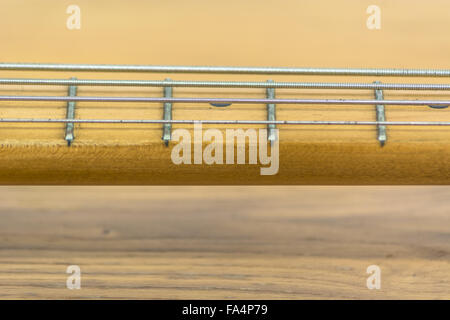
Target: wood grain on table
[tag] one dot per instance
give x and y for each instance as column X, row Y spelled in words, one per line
column 225, row 242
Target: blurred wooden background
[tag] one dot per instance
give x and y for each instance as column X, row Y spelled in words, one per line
column 225, row 242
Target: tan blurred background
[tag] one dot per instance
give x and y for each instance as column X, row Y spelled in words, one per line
column 322, row 33
column 224, row 242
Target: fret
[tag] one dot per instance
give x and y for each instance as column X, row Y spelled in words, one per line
column 70, row 115
column 381, row 116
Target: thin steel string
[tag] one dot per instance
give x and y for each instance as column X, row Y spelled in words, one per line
column 225, row 84
column 229, row 70
column 245, row 122
column 229, row 100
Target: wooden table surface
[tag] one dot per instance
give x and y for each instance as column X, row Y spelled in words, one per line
column 225, row 242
